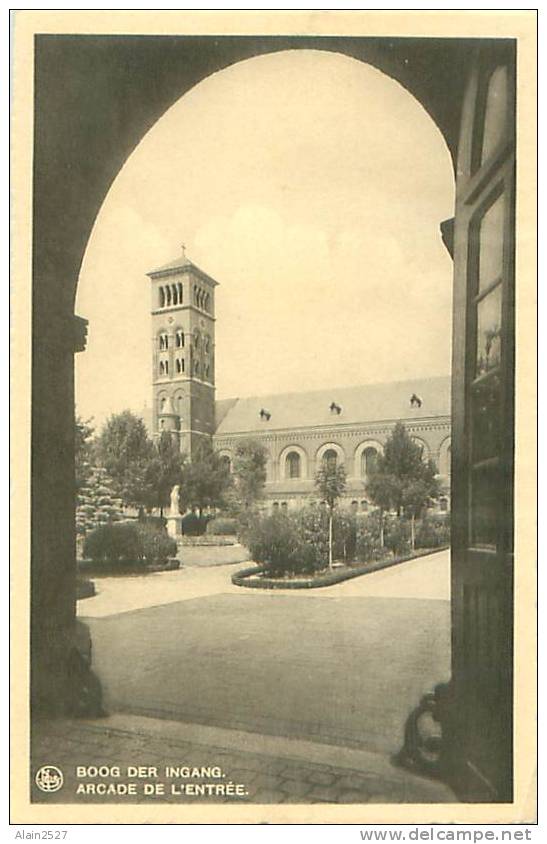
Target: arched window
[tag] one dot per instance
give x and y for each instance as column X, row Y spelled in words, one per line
column 179, row 338
column 284, row 506
column 207, row 371
column 175, row 294
column 330, row 459
column 162, row 297
column 162, row 368
column 207, row 300
column 354, row 506
column 293, row 464
column 179, row 364
column 168, row 296
column 206, row 342
column 179, row 288
column 196, row 338
column 364, row 506
column 196, row 367
column 226, row 462
column 443, row 504
column 163, row 341
column 369, row 462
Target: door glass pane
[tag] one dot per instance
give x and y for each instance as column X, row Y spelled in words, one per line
column 484, row 506
column 495, row 115
column 489, row 332
column 491, row 244
column 486, row 416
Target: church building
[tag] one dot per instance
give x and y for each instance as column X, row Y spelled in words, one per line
column 348, row 425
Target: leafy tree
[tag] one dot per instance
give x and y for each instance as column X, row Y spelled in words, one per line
column 163, row 472
column 416, row 494
column 383, row 489
column 204, row 482
column 403, row 480
column 125, row 450
column 249, row 471
column 83, row 450
column 330, row 482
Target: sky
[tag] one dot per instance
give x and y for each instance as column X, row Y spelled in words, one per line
column 311, row 187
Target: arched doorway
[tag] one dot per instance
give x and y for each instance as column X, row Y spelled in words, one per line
column 93, row 151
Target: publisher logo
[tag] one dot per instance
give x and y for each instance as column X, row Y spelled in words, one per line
column 49, row 778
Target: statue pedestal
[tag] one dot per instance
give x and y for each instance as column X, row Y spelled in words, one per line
column 174, row 526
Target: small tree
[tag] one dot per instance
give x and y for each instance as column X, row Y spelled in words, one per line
column 249, row 471
column 125, row 450
column 330, row 482
column 403, row 480
column 204, row 482
column 383, row 489
column 83, row 450
column 163, row 472
column 416, row 494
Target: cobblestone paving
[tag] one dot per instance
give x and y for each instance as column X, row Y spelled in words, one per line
column 244, row 777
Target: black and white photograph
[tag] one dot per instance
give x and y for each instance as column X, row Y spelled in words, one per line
column 276, row 291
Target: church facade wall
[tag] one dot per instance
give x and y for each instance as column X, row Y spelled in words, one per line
column 352, row 445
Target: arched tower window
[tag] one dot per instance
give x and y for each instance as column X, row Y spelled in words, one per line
column 179, row 288
column 369, row 462
column 168, row 295
column 179, row 365
column 179, row 338
column 175, row 294
column 161, row 292
column 293, row 465
column 163, row 341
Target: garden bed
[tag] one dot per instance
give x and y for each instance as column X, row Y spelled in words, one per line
column 252, row 578
column 124, row 568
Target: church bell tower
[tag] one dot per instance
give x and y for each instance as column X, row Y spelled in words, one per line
column 183, row 353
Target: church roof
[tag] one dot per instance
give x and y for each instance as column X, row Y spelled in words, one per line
column 369, row 403
column 179, row 264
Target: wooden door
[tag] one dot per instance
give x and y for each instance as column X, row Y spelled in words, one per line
column 482, row 442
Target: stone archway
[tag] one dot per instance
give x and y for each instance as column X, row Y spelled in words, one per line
column 78, row 152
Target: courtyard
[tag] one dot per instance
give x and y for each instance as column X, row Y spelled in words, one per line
column 342, row 665
column 300, row 697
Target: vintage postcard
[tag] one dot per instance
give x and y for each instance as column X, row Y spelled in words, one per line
column 273, row 300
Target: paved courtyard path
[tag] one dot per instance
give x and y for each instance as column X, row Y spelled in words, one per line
column 341, row 665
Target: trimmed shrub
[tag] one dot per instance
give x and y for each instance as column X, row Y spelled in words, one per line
column 397, row 535
column 84, row 588
column 344, row 534
column 192, row 525
column 133, row 542
column 156, row 544
column 278, row 542
column 367, row 544
column 113, row 543
column 222, row 526
column 433, row 532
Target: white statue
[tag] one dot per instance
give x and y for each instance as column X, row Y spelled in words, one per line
column 174, row 511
